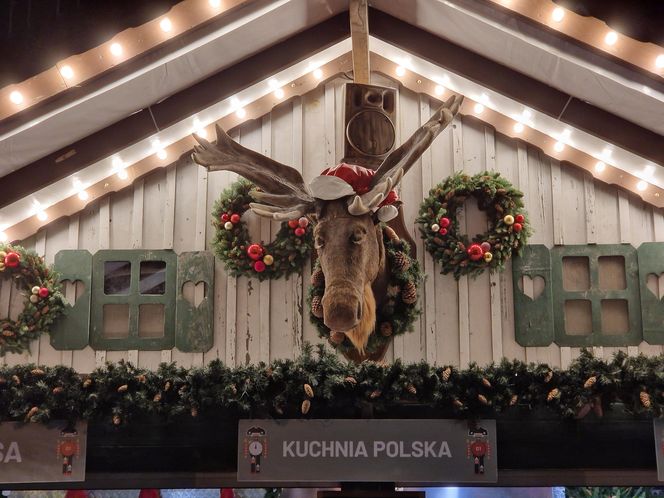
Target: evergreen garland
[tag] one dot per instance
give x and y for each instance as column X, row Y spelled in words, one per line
column 508, row 225
column 397, row 314
column 44, row 300
column 283, row 256
column 319, row 384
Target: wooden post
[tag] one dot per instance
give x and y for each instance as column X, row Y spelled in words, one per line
column 359, row 32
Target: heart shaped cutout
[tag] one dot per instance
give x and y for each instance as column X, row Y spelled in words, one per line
column 72, row 290
column 532, row 287
column 194, row 294
column 655, row 284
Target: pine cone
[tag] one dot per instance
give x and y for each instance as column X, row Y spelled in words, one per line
column 306, row 406
column 117, row 420
column 645, row 399
column 409, row 293
column 168, row 385
column 37, row 371
column 31, row 413
column 350, row 380
column 123, row 388
column 157, row 398
column 514, row 399
column 486, row 383
column 391, row 234
column 375, row 394
column 317, row 278
column 401, row 262
column 482, row 399
column 446, row 374
column 87, row 383
column 548, row 377
column 194, row 411
column 411, row 389
column 457, row 403
column 233, row 389
column 141, row 378
column 16, row 380
column 590, row 382
column 317, row 306
column 308, row 390
column 553, row 393
column 58, row 390
column 386, row 329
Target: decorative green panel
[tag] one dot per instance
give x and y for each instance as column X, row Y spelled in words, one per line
column 72, row 329
column 124, row 290
column 594, row 300
column 651, row 262
column 533, row 318
column 194, row 332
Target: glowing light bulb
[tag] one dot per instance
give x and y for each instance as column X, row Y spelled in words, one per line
column 518, row 127
column 273, row 83
column 400, row 70
column 202, row 132
column 318, row 73
column 166, row 25
column 479, row 108
column 67, row 72
column 3, row 237
column 559, row 146
column 122, row 174
column 611, row 38
column 600, row 166
column 439, row 90
column 659, row 61
column 83, row 195
column 558, row 14
column 162, row 154
column 215, row 3
column 16, row 97
column 642, row 185
column 241, row 113
column 279, row 93
column 41, row 215
column 116, row 49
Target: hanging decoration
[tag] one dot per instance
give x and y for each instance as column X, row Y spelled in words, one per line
column 399, row 310
column 44, row 301
column 508, row 232
column 283, row 256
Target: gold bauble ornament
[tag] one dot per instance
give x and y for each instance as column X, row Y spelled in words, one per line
column 508, row 219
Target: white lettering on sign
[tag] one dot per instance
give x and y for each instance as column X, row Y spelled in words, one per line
column 358, row 449
column 13, row 453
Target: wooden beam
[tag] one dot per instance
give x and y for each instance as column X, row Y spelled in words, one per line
column 359, row 32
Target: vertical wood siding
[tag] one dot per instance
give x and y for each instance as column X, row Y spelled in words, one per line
column 471, row 320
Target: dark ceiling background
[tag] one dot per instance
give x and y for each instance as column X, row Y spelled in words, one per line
column 35, row 34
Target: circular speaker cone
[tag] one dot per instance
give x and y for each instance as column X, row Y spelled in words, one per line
column 371, row 132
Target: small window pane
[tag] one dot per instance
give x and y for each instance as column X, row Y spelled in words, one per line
column 117, row 277
column 153, row 277
column 116, row 321
column 151, row 320
column 576, row 273
column 578, row 317
column 612, row 273
column 615, row 316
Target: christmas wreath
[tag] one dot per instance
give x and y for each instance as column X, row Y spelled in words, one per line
column 44, row 304
column 508, row 226
column 395, row 316
column 283, row 256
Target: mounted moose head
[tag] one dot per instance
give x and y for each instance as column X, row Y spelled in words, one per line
column 347, row 234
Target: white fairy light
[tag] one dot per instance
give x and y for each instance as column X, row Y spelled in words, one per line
column 3, row 237
column 166, row 25
column 83, row 195
column 642, row 185
column 201, row 132
column 16, row 97
column 558, row 14
column 116, row 49
column 600, row 166
column 400, row 70
column 479, row 108
column 611, row 38
column 122, row 174
column 215, row 4
column 518, row 127
column 659, row 61
column 279, row 93
column 318, row 73
column 559, row 146
column 241, row 113
column 67, row 72
column 162, row 154
column 41, row 215
column 439, row 90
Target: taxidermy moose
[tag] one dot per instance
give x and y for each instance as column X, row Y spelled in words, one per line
column 347, row 204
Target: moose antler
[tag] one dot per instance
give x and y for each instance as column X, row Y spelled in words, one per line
column 400, row 160
column 282, row 188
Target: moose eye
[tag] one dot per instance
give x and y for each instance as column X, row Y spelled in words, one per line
column 357, row 236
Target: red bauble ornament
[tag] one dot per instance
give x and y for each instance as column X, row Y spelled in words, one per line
column 43, row 292
column 443, row 231
column 485, row 246
column 226, row 493
column 444, row 222
column 235, row 218
column 303, row 222
column 224, row 217
column 299, row 231
column 517, row 227
column 12, row 259
column 519, row 218
column 149, row 493
column 475, row 252
column 76, row 493
column 255, row 251
column 259, row 266
column 293, row 224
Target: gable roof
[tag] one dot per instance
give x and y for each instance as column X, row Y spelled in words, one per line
column 480, row 57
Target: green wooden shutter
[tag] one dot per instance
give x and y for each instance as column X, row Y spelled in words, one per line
column 194, row 331
column 651, row 261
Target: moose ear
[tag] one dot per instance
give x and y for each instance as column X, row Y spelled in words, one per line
column 329, row 188
column 387, row 213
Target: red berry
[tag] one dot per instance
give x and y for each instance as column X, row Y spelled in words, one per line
column 293, row 224
column 43, row 292
column 224, row 217
column 259, row 266
column 519, row 218
column 517, row 227
column 299, row 231
column 443, row 231
column 444, row 222
column 235, row 218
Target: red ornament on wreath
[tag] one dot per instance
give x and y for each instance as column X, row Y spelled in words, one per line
column 235, row 218
column 475, row 252
column 12, row 259
column 517, row 227
column 299, row 231
column 259, row 266
column 255, row 251
column 225, row 217
column 293, row 224
column 43, row 292
column 519, row 218
column 444, row 222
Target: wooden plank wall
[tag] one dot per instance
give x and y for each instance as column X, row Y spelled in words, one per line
column 471, row 320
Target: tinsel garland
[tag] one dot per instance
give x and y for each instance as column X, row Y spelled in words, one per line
column 397, row 314
column 282, row 256
column 322, row 385
column 508, row 224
